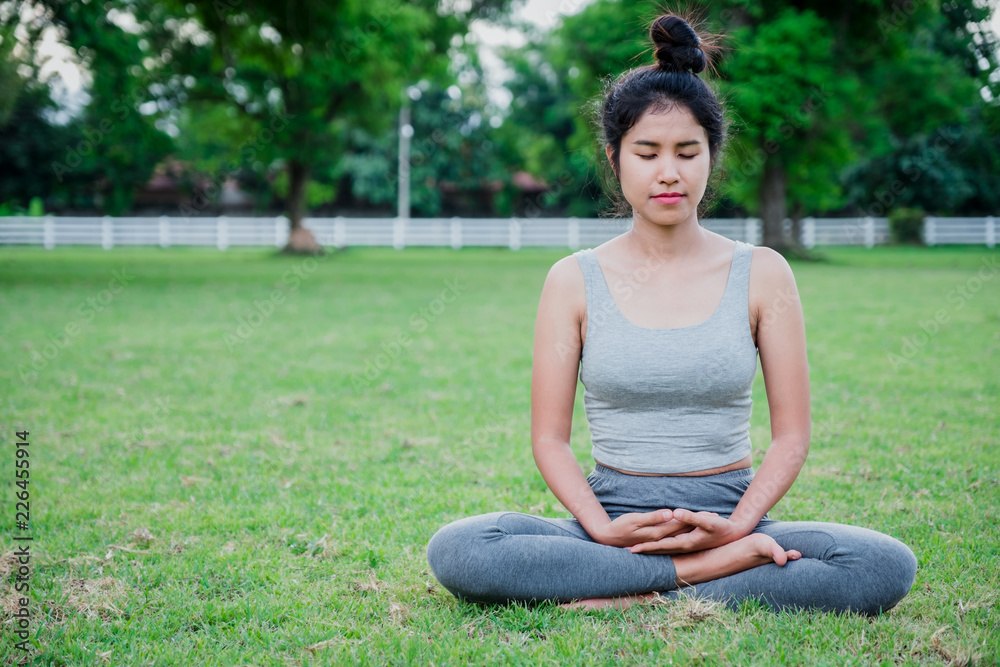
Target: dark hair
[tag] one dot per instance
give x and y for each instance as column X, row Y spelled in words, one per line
column 681, row 53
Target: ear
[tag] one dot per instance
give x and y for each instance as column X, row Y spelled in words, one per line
column 608, row 152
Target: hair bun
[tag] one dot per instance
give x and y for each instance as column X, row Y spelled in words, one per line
column 678, row 46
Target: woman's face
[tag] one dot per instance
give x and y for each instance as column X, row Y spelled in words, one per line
column 663, row 153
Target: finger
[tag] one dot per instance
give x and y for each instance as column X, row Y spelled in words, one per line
column 677, row 528
column 664, row 530
column 655, row 518
column 704, row 520
column 666, row 544
column 793, row 554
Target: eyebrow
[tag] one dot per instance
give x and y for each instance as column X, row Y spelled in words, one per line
column 656, row 144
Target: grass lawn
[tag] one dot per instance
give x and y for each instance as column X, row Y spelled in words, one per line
column 238, row 458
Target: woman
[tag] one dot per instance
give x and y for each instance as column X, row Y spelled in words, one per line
column 665, row 323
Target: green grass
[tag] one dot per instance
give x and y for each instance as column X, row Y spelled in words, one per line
column 289, row 498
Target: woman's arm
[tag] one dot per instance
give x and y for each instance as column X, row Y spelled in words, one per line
column 781, row 343
column 555, row 368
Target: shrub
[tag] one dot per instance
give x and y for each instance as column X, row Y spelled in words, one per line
column 906, row 225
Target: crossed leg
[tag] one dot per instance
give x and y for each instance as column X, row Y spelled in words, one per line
column 692, row 568
column 509, row 556
column 842, row 568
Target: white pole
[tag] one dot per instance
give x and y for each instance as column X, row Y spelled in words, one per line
column 280, row 231
column 339, row 232
column 107, row 233
column 514, row 234
column 405, row 132
column 398, row 233
column 574, row 233
column 49, row 232
column 164, row 231
column 221, row 232
column 809, row 232
column 930, row 233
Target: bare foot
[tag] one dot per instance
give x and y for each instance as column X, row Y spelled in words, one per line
column 764, row 547
column 623, row 602
column 745, row 553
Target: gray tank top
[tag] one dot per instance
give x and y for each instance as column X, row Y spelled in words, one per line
column 668, row 400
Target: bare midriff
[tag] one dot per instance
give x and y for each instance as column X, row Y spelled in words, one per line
column 738, row 465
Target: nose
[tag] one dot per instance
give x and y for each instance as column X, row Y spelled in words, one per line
column 667, row 172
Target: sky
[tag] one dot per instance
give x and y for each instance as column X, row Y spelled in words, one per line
column 545, row 14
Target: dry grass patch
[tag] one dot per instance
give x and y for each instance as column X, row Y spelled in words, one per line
column 95, row 599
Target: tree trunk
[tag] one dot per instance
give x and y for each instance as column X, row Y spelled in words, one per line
column 796, row 216
column 772, row 206
column 300, row 240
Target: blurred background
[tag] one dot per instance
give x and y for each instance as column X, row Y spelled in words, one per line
column 270, row 107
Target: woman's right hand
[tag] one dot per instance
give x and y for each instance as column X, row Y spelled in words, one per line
column 639, row 527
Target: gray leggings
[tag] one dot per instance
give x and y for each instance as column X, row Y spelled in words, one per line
column 509, row 556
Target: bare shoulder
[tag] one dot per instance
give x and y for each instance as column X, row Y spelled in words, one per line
column 565, row 280
column 562, row 308
column 772, row 288
column 770, row 272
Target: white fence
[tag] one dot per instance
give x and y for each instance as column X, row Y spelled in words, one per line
column 574, row 233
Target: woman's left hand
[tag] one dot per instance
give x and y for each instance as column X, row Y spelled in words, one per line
column 709, row 531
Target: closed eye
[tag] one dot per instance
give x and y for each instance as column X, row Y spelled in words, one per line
column 650, row 157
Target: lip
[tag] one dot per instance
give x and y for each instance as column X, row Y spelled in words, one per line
column 669, row 198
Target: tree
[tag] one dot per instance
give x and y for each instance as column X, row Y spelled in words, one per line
column 878, row 83
column 451, row 147
column 549, row 130
column 29, row 143
column 11, row 56
column 942, row 152
column 812, row 88
column 120, row 142
column 302, row 75
column 27, row 140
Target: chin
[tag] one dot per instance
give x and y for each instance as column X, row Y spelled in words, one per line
column 668, row 219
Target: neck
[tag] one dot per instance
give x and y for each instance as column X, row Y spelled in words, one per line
column 666, row 242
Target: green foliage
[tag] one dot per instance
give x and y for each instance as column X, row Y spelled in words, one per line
column 549, row 132
column 789, row 95
column 842, row 97
column 133, row 85
column 36, row 207
column 317, row 193
column 330, row 69
column 906, row 225
column 452, row 146
column 812, row 91
column 11, row 83
column 921, row 172
column 29, row 145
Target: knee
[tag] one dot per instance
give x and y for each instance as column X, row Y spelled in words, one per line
column 443, row 546
column 895, row 567
column 900, row 571
column 453, row 550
